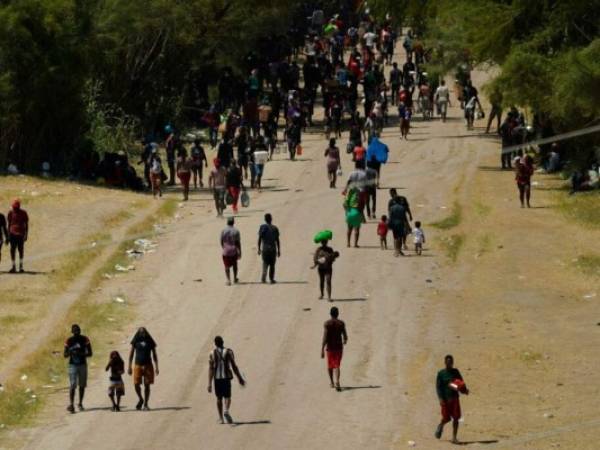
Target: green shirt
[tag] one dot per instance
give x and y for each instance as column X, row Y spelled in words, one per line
column 444, row 377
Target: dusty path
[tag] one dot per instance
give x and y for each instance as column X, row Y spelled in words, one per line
column 491, row 309
column 276, row 340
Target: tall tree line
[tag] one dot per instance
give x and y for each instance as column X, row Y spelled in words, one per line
column 75, row 74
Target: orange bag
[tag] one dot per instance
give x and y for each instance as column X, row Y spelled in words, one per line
column 299, row 150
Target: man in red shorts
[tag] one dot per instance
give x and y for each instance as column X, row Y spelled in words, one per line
column 448, row 396
column 334, row 338
column 232, row 250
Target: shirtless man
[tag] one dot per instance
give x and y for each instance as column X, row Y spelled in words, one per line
column 334, row 339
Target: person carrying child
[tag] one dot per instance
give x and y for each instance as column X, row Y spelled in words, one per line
column 116, row 387
column 382, row 231
column 419, row 237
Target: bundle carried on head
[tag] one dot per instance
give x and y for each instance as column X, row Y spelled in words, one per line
column 325, row 235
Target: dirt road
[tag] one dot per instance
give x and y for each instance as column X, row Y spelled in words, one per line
column 276, row 330
column 403, row 315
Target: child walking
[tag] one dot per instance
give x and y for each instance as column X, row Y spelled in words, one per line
column 382, row 231
column 116, row 365
column 419, row 238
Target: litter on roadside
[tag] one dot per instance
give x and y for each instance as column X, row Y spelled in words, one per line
column 120, row 268
column 23, row 377
column 119, row 300
column 590, row 295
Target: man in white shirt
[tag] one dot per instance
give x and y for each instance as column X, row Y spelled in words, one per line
column 442, row 99
column 370, row 39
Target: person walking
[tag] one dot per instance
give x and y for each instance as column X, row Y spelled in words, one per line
column 116, row 387
column 156, row 173
column 217, row 181
column 523, row 172
column 371, row 192
column 198, row 158
column 448, row 383
column 442, row 99
column 269, row 247
column 143, row 347
column 77, row 348
column 184, row 172
column 232, row 250
column 221, row 368
column 335, row 337
column 3, row 233
column 324, row 258
column 171, row 144
column 332, row 153
column 18, row 231
column 234, row 184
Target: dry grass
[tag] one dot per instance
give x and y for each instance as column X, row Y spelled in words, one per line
column 452, row 221
column 588, row 265
column 452, row 245
column 583, row 207
column 102, row 319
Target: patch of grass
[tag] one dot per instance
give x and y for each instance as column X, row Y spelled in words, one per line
column 588, row 264
column 484, row 243
column 530, row 356
column 452, row 221
column 482, row 210
column 74, row 262
column 11, row 320
column 583, row 207
column 452, row 245
column 99, row 320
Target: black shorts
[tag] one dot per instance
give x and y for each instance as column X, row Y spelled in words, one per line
column 223, row 388
column 16, row 241
column 269, row 257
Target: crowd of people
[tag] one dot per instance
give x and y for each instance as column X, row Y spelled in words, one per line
column 349, row 72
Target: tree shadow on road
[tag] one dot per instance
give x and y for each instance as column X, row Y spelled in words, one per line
column 484, row 442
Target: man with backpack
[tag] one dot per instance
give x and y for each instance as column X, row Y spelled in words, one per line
column 269, row 247
column 221, row 368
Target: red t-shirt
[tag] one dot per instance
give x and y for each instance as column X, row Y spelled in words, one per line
column 382, row 229
column 17, row 222
column 359, row 153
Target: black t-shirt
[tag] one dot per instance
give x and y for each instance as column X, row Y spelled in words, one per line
column 225, row 153
column 78, row 348
column 234, row 177
column 269, row 235
column 143, row 346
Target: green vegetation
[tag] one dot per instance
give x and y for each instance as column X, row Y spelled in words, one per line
column 45, row 369
column 452, row 221
column 93, row 75
column 548, row 53
column 582, row 208
column 588, row 264
column 452, row 245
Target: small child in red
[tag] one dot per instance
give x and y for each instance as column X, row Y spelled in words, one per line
column 382, row 230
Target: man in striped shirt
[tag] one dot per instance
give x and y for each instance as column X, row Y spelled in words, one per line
column 221, row 367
